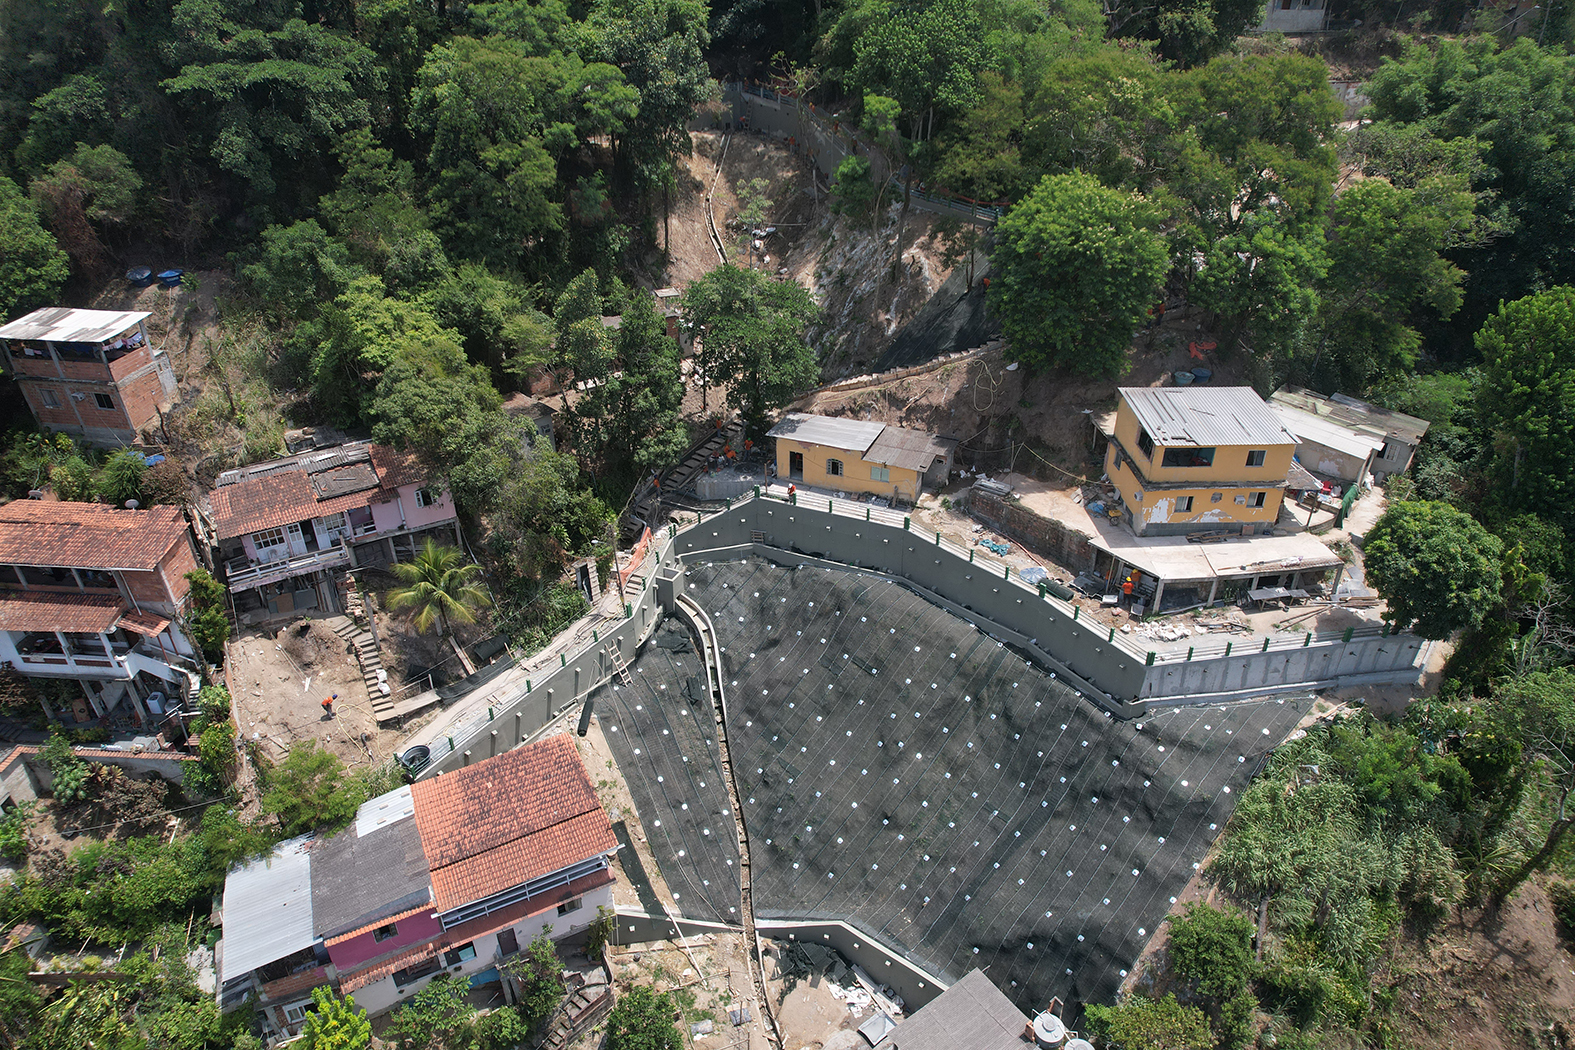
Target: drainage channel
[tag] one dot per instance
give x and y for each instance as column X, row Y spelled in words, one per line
column 706, row 635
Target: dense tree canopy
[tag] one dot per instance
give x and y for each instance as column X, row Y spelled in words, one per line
column 1436, row 568
column 1078, row 266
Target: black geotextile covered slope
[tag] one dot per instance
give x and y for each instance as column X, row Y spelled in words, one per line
column 909, row 774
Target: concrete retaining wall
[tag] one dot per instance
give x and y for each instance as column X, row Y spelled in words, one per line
column 1099, row 663
column 1066, row 545
column 544, row 701
column 1119, row 673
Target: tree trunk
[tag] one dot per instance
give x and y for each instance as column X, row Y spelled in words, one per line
column 1536, row 861
column 902, row 219
column 464, row 660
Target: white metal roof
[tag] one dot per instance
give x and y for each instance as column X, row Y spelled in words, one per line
column 384, row 810
column 1205, row 416
column 1326, row 432
column 60, row 324
column 268, row 909
column 852, row 434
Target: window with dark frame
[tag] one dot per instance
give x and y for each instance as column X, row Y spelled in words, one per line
column 459, row 953
column 834, row 467
column 1256, row 499
column 1188, row 457
column 1145, row 443
column 573, row 904
column 1255, row 458
column 1183, row 503
column 415, row 971
column 105, row 402
column 385, row 933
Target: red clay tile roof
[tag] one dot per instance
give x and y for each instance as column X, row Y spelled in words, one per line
column 58, row 611
column 396, row 468
column 382, row 970
column 273, row 502
column 144, row 623
column 508, row 820
column 521, row 860
column 87, row 535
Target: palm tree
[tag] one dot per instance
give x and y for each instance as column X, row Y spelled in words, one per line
column 438, row 586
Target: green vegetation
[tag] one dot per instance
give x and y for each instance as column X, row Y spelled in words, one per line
column 206, row 616
column 335, row 1024
column 439, row 1017
column 437, row 585
column 751, row 329
column 1361, row 836
column 1079, row 266
column 307, row 791
column 643, row 1020
column 1437, row 569
column 1147, row 1024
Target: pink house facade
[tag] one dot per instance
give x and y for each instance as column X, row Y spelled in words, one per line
column 282, row 529
column 452, row 875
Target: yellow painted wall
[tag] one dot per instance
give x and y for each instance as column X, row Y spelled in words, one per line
column 1230, row 461
column 1158, row 506
column 904, row 483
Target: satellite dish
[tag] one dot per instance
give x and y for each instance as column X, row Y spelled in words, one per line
column 132, row 504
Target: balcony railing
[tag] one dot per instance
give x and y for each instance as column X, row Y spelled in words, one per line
column 244, row 574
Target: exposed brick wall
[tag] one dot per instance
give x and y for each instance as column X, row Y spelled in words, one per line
column 89, row 371
column 53, row 417
column 109, row 418
column 148, row 587
column 33, row 366
column 140, row 358
column 1067, row 547
column 293, row 986
column 142, row 397
column 175, row 565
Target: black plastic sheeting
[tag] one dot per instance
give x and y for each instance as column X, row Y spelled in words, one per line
column 907, row 773
column 662, row 727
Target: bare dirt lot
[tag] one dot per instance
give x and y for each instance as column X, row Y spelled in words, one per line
column 278, row 680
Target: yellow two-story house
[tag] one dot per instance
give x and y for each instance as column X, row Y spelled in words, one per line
column 1191, row 459
column 852, row 455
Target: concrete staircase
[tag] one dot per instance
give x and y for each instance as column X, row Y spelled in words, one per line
column 589, row 1000
column 648, row 499
column 362, row 643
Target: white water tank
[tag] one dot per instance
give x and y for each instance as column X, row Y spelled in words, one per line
column 1049, row 1031
column 1080, row 1044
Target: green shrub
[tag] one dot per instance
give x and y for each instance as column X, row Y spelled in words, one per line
column 13, row 833
column 68, row 772
column 1562, row 894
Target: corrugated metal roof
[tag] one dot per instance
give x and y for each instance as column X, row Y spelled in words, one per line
column 1358, row 415
column 1205, row 416
column 852, row 434
column 268, row 908
column 384, row 810
column 1298, row 477
column 1395, row 424
column 910, row 449
column 1326, row 432
column 60, row 324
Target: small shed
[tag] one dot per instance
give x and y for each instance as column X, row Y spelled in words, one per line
column 1397, row 433
column 1327, row 449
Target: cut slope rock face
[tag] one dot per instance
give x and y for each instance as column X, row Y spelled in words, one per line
column 844, row 262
